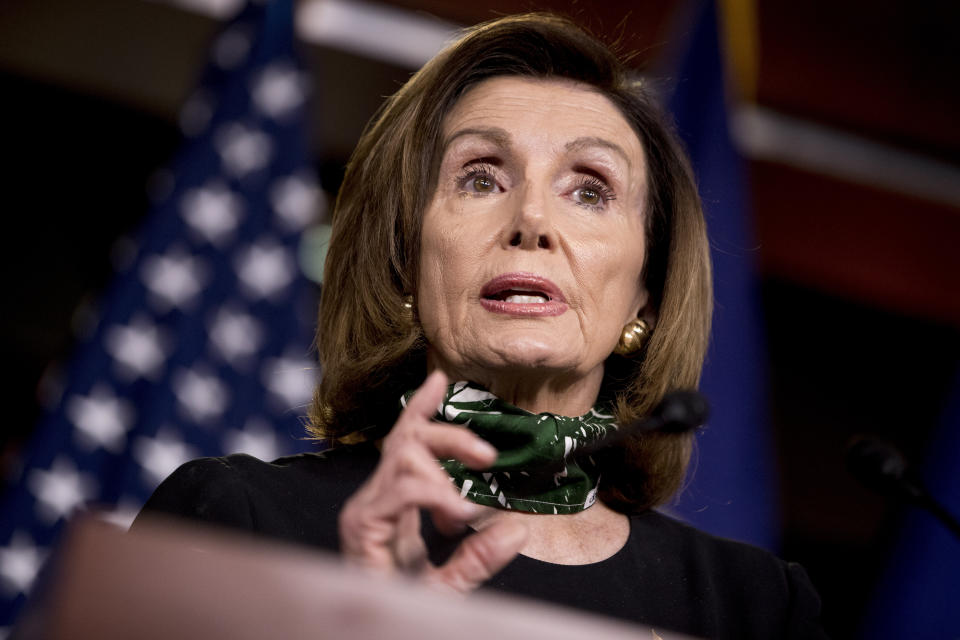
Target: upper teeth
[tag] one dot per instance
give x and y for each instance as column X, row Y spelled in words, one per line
column 525, row 299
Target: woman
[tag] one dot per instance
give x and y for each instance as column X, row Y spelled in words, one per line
column 513, row 216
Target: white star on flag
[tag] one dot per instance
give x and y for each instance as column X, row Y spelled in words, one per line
column 212, row 212
column 201, row 396
column 161, row 455
column 297, row 201
column 173, row 279
column 172, row 358
column 61, row 490
column 139, row 349
column 20, row 561
column 290, row 380
column 278, row 90
column 102, row 419
column 236, row 336
column 242, row 149
column 265, row 269
column 257, row 438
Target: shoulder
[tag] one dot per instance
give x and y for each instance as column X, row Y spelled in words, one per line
column 338, row 467
column 748, row 588
column 287, row 498
column 698, row 546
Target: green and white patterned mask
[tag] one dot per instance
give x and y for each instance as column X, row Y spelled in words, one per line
column 536, row 470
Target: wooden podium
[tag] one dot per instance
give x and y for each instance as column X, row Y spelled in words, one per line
column 176, row 581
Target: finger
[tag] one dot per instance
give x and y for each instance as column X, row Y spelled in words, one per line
column 444, row 441
column 416, row 423
column 372, row 523
column 415, row 461
column 452, row 526
column 409, row 549
column 407, row 479
column 454, row 512
column 481, row 556
column 411, row 478
column 413, row 493
column 428, row 396
column 364, row 540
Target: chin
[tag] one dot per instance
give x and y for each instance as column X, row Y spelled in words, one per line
column 506, row 353
column 540, row 354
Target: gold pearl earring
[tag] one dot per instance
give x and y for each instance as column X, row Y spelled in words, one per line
column 634, row 336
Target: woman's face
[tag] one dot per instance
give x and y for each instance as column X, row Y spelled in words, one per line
column 533, row 244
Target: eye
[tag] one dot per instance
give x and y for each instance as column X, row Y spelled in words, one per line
column 478, row 179
column 593, row 193
column 483, row 184
column 588, row 195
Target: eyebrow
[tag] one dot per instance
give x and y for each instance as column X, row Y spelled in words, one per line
column 591, row 141
column 495, row 135
column 501, row 138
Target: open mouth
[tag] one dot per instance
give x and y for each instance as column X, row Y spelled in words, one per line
column 522, row 294
column 519, row 296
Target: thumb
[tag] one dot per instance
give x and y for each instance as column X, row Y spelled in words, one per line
column 481, row 556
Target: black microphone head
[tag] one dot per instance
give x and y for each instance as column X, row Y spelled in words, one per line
column 682, row 410
column 875, row 463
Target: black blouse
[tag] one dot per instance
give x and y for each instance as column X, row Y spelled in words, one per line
column 667, row 576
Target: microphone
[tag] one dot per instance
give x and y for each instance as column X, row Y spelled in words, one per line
column 680, row 411
column 879, row 466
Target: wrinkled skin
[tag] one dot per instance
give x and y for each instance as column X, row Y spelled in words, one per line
column 565, row 201
column 542, row 187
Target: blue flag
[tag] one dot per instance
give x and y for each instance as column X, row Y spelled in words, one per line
column 202, row 346
column 733, row 488
column 918, row 594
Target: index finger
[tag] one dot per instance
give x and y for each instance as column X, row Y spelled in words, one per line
column 428, row 397
column 443, row 440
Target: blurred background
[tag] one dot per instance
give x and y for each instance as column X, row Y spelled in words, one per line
column 845, row 116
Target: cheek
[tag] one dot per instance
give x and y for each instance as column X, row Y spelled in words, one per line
column 446, row 261
column 431, row 272
column 613, row 267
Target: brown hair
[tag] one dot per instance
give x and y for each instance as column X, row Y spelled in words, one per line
column 371, row 354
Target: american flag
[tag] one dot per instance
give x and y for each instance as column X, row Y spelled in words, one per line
column 202, row 346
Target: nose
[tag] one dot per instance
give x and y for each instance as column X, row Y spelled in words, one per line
column 530, row 225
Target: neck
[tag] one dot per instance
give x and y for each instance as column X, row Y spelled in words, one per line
column 589, row 536
column 562, row 393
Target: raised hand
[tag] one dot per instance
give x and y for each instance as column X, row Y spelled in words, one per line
column 380, row 524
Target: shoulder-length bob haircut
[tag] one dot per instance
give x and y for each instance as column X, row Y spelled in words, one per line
column 371, row 352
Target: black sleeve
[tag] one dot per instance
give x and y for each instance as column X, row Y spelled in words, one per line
column 803, row 618
column 294, row 499
column 207, row 490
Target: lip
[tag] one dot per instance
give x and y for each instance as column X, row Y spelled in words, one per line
column 523, row 281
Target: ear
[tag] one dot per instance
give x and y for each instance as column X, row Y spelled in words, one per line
column 645, row 310
column 649, row 315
